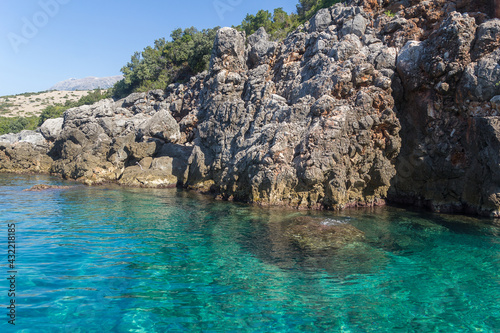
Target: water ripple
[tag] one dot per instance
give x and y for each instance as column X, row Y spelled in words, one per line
column 139, row 260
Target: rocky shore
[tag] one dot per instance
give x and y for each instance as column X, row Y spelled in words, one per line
column 369, row 101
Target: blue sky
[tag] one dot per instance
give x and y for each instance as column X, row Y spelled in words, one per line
column 43, row 42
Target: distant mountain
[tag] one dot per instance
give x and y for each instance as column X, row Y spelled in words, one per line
column 88, row 83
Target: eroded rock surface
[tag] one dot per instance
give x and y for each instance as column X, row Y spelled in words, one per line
column 369, row 100
column 449, row 118
column 313, row 126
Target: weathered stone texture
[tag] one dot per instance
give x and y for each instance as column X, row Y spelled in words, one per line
column 354, row 107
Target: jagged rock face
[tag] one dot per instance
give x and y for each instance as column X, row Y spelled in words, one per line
column 24, row 152
column 449, row 118
column 357, row 105
column 122, row 141
column 311, row 126
column 51, row 128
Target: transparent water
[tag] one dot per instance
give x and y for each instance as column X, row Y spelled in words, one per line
column 110, row 259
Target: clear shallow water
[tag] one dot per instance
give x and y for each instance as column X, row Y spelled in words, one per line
column 110, row 259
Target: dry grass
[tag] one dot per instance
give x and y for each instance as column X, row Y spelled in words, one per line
column 27, row 105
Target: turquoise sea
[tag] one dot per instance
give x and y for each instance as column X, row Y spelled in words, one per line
column 112, row 259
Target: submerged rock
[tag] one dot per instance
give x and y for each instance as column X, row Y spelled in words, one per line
column 313, row 234
column 44, row 187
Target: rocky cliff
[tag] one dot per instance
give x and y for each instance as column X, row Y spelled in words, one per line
column 368, row 101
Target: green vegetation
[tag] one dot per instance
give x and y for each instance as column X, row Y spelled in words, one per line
column 189, row 50
column 307, row 8
column 4, row 107
column 389, row 13
column 17, row 124
column 156, row 67
column 277, row 25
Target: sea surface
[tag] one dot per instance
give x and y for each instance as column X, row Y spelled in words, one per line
column 113, row 259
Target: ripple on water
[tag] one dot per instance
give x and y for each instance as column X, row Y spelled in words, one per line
column 140, row 260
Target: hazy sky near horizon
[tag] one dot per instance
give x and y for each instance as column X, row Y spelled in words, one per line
column 43, row 42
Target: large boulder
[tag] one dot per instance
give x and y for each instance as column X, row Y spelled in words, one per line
column 51, row 128
column 162, row 126
column 261, row 49
column 229, row 51
column 32, row 137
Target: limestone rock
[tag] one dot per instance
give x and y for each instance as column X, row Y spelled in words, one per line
column 162, row 126
column 31, row 137
column 51, row 128
column 229, row 51
column 44, row 187
column 449, row 118
column 321, row 20
column 261, row 49
column 352, row 108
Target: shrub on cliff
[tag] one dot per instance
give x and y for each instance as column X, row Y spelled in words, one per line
column 188, row 53
column 277, row 25
column 156, row 67
column 307, row 8
column 17, row 124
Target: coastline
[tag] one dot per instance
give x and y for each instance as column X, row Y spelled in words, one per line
column 355, row 108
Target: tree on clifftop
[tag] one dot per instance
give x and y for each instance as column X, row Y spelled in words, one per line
column 189, row 50
column 188, row 53
column 277, row 25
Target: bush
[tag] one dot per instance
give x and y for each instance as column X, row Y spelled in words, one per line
column 307, row 8
column 156, row 67
column 277, row 25
column 17, row 124
column 189, row 51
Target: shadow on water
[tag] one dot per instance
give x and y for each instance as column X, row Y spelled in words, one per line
column 265, row 232
column 387, row 231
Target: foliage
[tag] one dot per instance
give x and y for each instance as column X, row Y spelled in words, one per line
column 17, row 124
column 156, row 67
column 52, row 111
column 277, row 25
column 189, row 50
column 389, row 13
column 307, row 8
column 4, row 107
